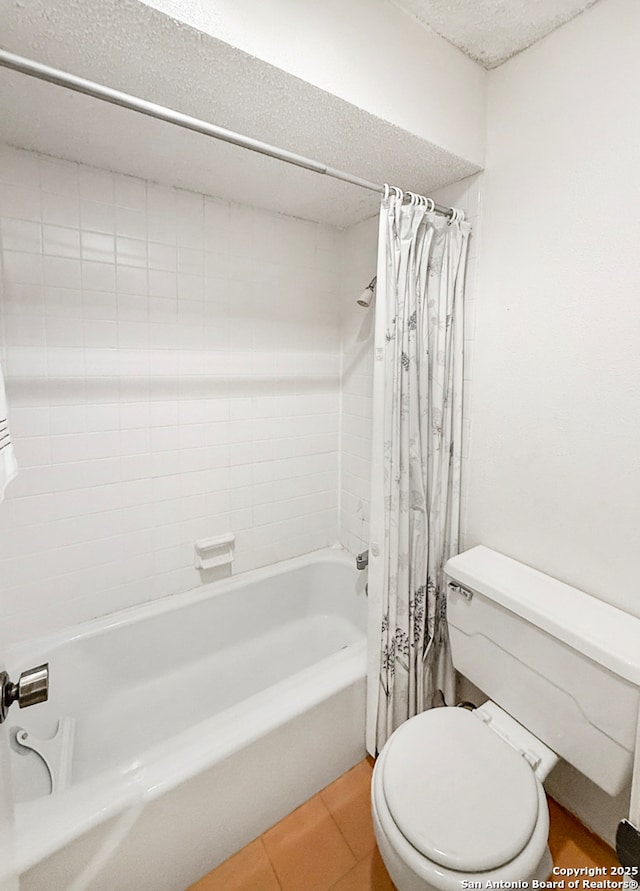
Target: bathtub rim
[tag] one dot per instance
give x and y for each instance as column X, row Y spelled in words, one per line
column 35, row 648
column 110, row 794
column 43, row 826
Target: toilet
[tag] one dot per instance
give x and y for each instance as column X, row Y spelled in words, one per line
column 457, row 795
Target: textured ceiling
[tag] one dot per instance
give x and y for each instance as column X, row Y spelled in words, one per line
column 126, row 45
column 491, row 31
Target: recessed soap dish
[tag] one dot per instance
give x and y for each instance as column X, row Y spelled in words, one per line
column 210, row 552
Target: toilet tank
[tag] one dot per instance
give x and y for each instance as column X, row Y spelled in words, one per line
column 561, row 662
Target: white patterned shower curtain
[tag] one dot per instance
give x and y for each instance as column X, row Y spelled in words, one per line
column 417, row 432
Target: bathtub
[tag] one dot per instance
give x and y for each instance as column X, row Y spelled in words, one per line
column 199, row 721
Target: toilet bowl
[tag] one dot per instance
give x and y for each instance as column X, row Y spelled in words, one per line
column 457, row 798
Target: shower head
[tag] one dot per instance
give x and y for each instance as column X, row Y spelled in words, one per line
column 367, row 295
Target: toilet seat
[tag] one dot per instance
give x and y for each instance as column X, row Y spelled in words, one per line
column 459, row 795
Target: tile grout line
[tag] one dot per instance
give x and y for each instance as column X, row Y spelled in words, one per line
column 358, row 859
column 271, row 864
column 344, row 838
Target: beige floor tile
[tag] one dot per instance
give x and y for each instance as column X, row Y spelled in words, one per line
column 368, row 875
column 248, row 870
column 349, row 803
column 327, row 844
column 307, row 850
column 571, row 843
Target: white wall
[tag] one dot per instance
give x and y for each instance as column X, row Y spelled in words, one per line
column 556, row 456
column 172, row 368
column 555, row 460
column 367, row 52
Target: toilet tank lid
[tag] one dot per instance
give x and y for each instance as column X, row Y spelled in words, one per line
column 596, row 629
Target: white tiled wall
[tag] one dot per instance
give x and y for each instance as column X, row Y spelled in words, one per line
column 357, row 364
column 173, row 370
column 360, row 253
column 177, row 367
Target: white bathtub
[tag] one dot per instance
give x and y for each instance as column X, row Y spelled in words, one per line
column 200, row 720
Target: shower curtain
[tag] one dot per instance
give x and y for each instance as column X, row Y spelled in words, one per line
column 417, row 431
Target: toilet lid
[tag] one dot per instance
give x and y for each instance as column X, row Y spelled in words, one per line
column 457, row 792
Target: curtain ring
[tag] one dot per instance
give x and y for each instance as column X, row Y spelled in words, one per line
column 431, row 204
column 385, row 192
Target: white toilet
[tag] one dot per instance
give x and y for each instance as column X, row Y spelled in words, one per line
column 457, row 795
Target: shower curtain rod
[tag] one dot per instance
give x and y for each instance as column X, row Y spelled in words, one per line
column 115, row 97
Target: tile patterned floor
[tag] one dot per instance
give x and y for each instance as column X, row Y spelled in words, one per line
column 328, row 844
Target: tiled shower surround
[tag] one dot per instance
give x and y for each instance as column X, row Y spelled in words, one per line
column 177, row 367
column 172, row 366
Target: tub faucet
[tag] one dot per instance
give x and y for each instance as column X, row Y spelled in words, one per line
column 362, row 560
